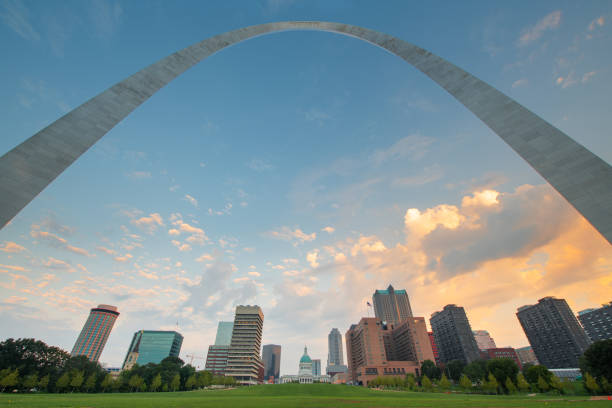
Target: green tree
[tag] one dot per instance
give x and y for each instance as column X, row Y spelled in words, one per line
column 430, row 369
column 62, row 383
column 77, row 381
column 156, row 383
column 491, row 385
column 31, row 356
column 597, row 360
column 533, row 373
column 43, row 384
column 606, row 386
column 165, row 387
column 556, row 384
column 426, row 383
column 590, row 384
column 455, row 369
column 191, row 382
column 176, row 382
column 410, row 381
column 444, row 383
column 107, row 383
column 465, row 382
column 90, row 383
column 510, row 387
column 476, row 370
column 521, row 383
column 502, row 368
column 543, row 384
column 135, row 382
column 10, row 380
column 142, row 387
column 204, row 378
column 31, row 381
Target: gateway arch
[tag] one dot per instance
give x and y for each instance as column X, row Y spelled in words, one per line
column 584, row 179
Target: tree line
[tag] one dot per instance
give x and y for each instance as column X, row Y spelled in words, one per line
column 29, row 364
column 502, row 375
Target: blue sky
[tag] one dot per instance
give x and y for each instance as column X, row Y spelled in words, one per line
column 298, row 171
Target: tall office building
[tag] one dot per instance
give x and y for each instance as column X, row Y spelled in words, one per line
column 453, row 335
column 376, row 348
column 554, row 333
column 152, row 346
column 243, row 361
column 224, row 334
column 95, row 332
column 597, row 323
column 484, row 340
column 216, row 358
column 316, row 366
column 391, row 306
column 271, row 357
column 335, row 355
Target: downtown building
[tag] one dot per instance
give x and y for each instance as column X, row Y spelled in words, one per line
column 453, row 335
column 597, row 323
column 375, row 348
column 271, row 357
column 243, row 360
column 555, row 335
column 391, row 306
column 216, row 358
column 434, row 347
column 484, row 341
column 335, row 354
column 527, row 356
column 95, row 332
column 152, row 346
column 502, row 352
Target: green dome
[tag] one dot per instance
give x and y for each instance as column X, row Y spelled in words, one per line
column 305, row 358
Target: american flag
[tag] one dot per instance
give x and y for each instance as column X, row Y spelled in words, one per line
column 368, row 303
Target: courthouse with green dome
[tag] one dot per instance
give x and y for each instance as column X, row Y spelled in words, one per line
column 305, row 373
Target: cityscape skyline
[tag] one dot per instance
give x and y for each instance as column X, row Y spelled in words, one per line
column 174, row 217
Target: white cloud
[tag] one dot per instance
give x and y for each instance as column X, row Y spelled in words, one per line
column 191, row 200
column 311, row 257
column 106, row 16
column 12, row 247
column 183, row 247
column 57, row 241
column 598, row 22
column 293, row 235
column 549, row 22
column 205, row 257
column 412, row 146
column 150, row 223
column 329, row 229
column 196, row 234
column 124, row 258
column 16, row 16
column 520, row 82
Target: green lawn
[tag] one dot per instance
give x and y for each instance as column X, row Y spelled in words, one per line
column 292, row 395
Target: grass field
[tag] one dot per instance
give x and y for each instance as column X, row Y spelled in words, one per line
column 292, row 395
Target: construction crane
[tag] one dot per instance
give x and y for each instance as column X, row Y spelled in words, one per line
column 192, row 357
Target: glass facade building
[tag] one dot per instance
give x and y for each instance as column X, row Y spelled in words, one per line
column 151, row 346
column 224, row 334
column 95, row 332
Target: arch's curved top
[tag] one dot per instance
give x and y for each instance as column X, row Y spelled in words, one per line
column 583, row 178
